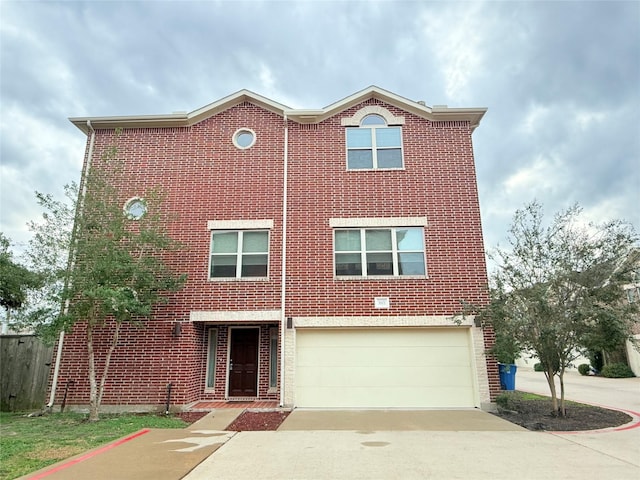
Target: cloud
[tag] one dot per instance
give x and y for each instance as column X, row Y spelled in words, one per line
column 456, row 39
column 563, row 97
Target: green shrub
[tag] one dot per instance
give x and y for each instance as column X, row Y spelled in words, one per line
column 584, row 368
column 538, row 367
column 507, row 400
column 617, row 370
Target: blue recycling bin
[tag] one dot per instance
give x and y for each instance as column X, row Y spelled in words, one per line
column 507, row 376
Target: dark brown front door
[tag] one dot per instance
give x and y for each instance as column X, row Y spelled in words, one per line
column 243, row 363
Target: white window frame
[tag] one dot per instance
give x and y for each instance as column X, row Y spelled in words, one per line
column 239, row 254
column 129, row 210
column 242, row 131
column 394, row 253
column 374, row 148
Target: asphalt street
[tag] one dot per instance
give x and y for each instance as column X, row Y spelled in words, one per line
column 621, row 393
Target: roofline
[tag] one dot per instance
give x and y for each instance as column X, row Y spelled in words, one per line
column 436, row 113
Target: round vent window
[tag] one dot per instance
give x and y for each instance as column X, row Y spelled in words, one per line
column 244, row 138
column 135, row 208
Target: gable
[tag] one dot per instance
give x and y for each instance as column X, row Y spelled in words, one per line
column 303, row 116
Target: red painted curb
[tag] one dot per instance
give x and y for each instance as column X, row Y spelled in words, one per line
column 91, row 454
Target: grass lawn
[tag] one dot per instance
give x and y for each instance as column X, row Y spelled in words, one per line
column 28, row 444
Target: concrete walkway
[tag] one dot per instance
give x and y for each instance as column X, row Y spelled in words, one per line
column 154, row 454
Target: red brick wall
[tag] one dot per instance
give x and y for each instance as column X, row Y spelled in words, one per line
column 205, row 177
column 438, row 182
column 492, row 362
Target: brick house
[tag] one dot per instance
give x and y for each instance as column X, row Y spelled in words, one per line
column 326, row 251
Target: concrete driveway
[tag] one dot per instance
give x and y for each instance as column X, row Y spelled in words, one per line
column 371, row 449
column 396, row 420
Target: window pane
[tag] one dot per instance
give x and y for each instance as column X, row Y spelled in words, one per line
column 390, row 158
column 358, row 137
column 378, row 239
column 244, row 139
column 255, row 242
column 226, row 242
column 410, row 264
column 273, row 358
column 409, row 239
column 379, row 264
column 223, row 265
column 373, row 120
column 388, row 137
column 254, row 266
column 348, row 264
column 348, row 240
column 211, row 358
column 359, row 159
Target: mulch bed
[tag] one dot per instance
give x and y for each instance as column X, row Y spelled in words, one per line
column 257, row 421
column 538, row 415
column 190, row 417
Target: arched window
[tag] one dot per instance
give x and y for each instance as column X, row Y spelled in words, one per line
column 373, row 119
column 374, row 145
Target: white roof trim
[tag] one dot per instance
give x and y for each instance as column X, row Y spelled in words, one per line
column 436, row 114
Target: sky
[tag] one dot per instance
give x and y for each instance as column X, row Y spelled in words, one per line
column 561, row 81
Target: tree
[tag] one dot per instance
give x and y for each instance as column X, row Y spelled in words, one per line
column 117, row 273
column 47, row 254
column 555, row 287
column 15, row 281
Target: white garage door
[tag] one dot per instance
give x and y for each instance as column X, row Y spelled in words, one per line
column 384, row 368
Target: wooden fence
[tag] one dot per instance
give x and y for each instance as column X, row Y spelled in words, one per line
column 25, row 363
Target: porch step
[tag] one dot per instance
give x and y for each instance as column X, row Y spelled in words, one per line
column 213, row 405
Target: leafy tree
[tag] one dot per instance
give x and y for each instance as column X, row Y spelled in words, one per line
column 47, row 254
column 118, row 272
column 15, row 281
column 559, row 287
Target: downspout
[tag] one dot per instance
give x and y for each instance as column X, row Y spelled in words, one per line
column 71, row 261
column 283, row 291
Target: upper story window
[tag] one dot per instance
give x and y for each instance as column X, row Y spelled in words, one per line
column 369, row 252
column 239, row 254
column 374, row 145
